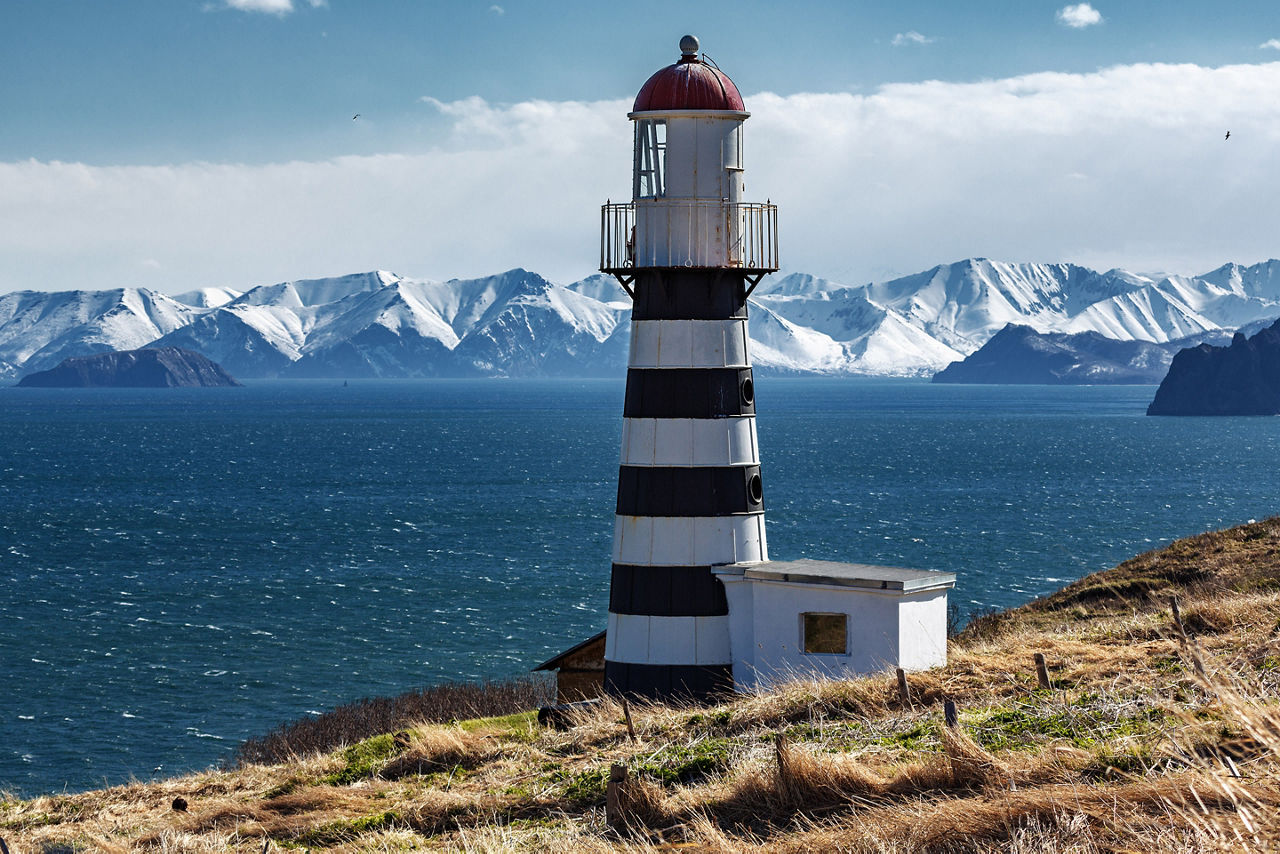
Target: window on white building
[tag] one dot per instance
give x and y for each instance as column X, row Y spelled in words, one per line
column 825, row 633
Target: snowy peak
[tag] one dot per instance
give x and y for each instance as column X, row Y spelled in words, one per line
column 400, row 307
column 39, row 330
column 588, row 315
column 958, row 302
column 962, row 296
column 601, row 288
column 207, row 297
column 841, row 332
column 796, row 284
column 1150, row 314
column 283, row 295
column 1259, row 281
column 470, row 303
column 321, row 291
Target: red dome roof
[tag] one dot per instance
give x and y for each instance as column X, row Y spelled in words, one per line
column 690, row 84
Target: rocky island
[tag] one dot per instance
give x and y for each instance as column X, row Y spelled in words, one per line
column 1240, row 379
column 160, row 367
column 1020, row 354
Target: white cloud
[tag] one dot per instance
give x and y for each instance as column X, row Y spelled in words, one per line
column 497, row 10
column 272, row 7
column 1079, row 15
column 909, row 38
column 1121, row 167
column 1270, row 44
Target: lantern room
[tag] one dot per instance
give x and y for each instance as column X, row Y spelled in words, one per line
column 688, row 132
column 687, row 179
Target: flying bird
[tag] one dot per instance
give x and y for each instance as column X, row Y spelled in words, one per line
column 1228, row 136
column 357, row 115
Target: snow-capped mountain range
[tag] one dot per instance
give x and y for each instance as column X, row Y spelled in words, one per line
column 517, row 323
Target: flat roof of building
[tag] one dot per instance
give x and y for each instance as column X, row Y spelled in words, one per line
column 842, row 574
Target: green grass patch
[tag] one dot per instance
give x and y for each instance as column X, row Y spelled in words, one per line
column 1166, row 664
column 27, row 822
column 288, row 787
column 920, row 737
column 345, row 830
column 720, row 718
column 583, row 788
column 686, row 763
column 522, row 726
column 1085, row 722
column 363, row 760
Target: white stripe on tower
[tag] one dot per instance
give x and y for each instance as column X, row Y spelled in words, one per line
column 690, row 441
column 667, row 640
column 689, row 540
column 689, row 344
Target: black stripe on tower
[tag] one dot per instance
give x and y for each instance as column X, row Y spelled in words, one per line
column 666, row 591
column 664, row 681
column 702, row 491
column 676, row 294
column 689, row 393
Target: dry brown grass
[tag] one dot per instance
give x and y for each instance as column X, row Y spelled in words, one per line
column 370, row 716
column 1147, row 742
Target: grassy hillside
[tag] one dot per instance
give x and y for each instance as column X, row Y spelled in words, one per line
column 1155, row 735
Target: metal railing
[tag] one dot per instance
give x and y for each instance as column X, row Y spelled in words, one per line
column 688, row 233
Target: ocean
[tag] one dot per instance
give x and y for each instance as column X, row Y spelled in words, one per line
column 185, row 568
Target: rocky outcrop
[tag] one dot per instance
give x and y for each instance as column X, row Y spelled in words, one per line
column 161, row 367
column 1019, row 354
column 1240, row 379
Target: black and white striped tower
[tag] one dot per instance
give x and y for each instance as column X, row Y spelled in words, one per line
column 689, row 251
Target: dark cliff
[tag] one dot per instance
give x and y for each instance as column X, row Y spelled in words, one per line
column 1240, row 379
column 161, row 367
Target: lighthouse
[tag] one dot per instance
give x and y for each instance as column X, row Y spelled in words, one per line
column 688, row 250
column 696, row 607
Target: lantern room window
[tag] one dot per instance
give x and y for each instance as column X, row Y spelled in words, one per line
column 651, row 158
column 732, row 150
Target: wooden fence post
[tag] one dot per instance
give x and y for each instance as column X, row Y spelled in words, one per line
column 615, row 809
column 786, row 785
column 626, row 716
column 1042, row 672
column 904, row 691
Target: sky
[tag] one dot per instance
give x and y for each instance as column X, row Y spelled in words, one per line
column 177, row 144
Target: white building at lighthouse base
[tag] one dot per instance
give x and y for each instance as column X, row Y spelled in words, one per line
column 822, row 619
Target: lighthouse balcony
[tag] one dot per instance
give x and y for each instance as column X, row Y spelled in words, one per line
column 688, row 233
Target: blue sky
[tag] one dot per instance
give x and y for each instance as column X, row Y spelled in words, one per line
column 184, row 143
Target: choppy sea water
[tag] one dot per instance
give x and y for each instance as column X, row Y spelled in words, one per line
column 185, row 568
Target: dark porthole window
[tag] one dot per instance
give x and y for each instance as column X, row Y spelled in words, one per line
column 748, row 391
column 826, row 633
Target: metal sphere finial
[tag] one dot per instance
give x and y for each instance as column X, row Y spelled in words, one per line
column 689, row 45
